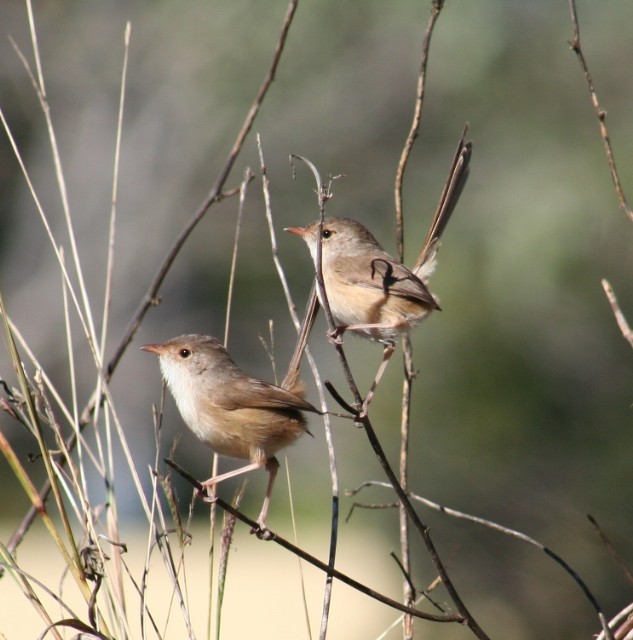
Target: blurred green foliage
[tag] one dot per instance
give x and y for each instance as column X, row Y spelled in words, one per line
column 522, row 408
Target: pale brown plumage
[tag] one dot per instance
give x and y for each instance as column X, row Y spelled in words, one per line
column 231, row 412
column 369, row 292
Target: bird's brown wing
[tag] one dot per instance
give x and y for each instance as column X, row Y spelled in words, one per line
column 382, row 272
column 250, row 393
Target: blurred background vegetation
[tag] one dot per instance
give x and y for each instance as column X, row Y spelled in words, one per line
column 522, row 409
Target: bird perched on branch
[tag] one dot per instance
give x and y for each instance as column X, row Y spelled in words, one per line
column 369, row 292
column 231, row 412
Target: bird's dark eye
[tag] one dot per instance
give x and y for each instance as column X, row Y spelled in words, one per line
column 327, row 233
column 184, row 353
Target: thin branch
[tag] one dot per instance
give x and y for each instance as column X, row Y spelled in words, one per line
column 291, row 379
column 408, row 592
column 324, row 194
column 248, row 176
column 415, row 126
column 423, row 530
column 500, row 529
column 151, row 296
column 600, row 112
column 362, row 418
column 617, row 312
column 304, row 555
column 611, row 549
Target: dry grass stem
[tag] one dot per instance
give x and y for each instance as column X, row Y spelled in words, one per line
column 617, row 312
column 600, row 112
column 291, row 378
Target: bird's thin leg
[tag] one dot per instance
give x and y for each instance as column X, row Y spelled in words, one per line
column 231, row 474
column 272, row 465
column 335, row 336
column 386, row 355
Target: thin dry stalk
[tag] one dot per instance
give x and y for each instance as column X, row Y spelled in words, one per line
column 40, row 89
column 513, row 533
column 238, row 227
column 291, row 378
column 112, row 519
column 107, row 297
column 227, row 539
column 414, row 130
column 409, row 372
column 600, row 112
column 612, row 550
column 601, row 115
column 362, row 418
column 324, row 193
column 620, row 318
column 322, row 566
column 304, row 596
column 151, row 294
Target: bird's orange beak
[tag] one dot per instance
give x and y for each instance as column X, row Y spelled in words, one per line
column 297, row 231
column 158, row 349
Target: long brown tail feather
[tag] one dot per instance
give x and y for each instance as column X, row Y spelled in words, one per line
column 457, row 177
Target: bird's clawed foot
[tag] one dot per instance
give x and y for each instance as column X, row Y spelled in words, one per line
column 261, row 531
column 205, row 493
column 336, row 336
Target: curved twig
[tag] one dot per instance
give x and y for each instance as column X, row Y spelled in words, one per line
column 408, row 593
column 415, row 126
column 304, row 555
column 151, row 296
column 215, row 194
column 362, row 418
column 617, row 312
column 495, row 527
column 291, row 378
column 600, row 112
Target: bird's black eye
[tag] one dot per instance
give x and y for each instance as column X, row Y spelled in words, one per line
column 327, row 233
column 184, row 353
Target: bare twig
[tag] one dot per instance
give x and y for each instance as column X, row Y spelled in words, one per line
column 248, row 176
column 324, row 194
column 115, row 186
column 362, row 418
column 621, row 623
column 617, row 312
column 409, row 372
column 611, row 549
column 214, row 195
column 292, row 378
column 495, row 527
column 151, row 296
column 405, row 574
column 436, row 7
column 600, row 112
column 273, row 537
